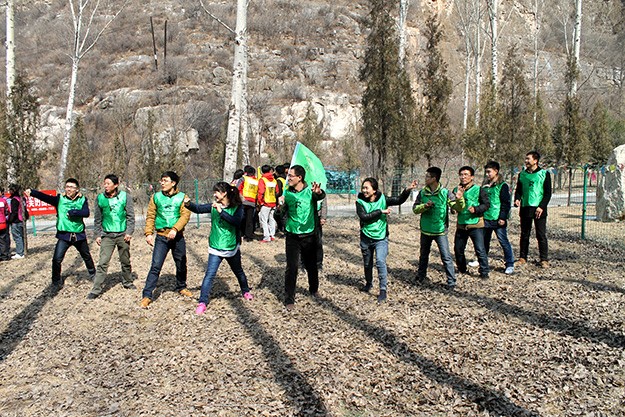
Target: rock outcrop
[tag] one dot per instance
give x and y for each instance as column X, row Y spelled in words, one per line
column 611, row 189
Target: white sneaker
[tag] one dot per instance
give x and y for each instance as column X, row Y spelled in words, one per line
column 509, row 270
column 17, row 256
column 474, row 264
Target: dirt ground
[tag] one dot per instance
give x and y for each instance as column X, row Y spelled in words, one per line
column 540, row 342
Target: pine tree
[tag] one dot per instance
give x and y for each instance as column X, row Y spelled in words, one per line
column 434, row 133
column 80, row 157
column 18, row 137
column 388, row 106
column 599, row 135
column 310, row 132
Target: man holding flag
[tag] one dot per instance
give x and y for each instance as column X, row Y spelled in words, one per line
column 298, row 205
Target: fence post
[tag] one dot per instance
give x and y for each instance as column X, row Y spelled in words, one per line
column 584, row 202
column 34, row 227
column 197, row 216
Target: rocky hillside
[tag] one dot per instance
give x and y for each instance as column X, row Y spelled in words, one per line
column 303, row 55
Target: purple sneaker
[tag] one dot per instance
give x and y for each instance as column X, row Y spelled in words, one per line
column 201, row 308
column 248, row 296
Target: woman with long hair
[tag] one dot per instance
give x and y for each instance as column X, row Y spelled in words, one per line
column 224, row 241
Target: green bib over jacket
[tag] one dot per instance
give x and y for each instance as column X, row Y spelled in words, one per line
column 532, row 184
column 69, row 224
column 494, row 191
column 377, row 229
column 167, row 209
column 472, row 198
column 301, row 210
column 223, row 235
column 434, row 220
column 113, row 212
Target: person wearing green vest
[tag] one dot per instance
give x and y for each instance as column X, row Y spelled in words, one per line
column 496, row 217
column 433, row 203
column 532, row 195
column 298, row 204
column 224, row 241
column 114, row 224
column 71, row 208
column 373, row 208
column 470, row 221
column 168, row 216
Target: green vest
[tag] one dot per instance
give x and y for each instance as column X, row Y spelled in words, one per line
column 113, row 212
column 472, row 198
column 69, row 224
column 434, row 219
column 223, row 235
column 532, row 184
column 495, row 202
column 301, row 215
column 377, row 229
column 167, row 209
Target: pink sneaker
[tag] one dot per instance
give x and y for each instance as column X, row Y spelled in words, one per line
column 273, row 238
column 265, row 241
column 248, row 296
column 201, row 308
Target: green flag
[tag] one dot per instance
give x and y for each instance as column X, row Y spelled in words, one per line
column 313, row 166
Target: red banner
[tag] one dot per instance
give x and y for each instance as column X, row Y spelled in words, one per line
column 39, row 208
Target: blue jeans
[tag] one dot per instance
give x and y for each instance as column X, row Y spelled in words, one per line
column 502, row 236
column 460, row 243
column 380, row 247
column 59, row 254
column 178, row 250
column 424, row 256
column 17, row 230
column 211, row 270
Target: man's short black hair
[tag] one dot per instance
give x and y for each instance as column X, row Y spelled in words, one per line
column 299, row 171
column 114, row 178
column 73, row 181
column 467, row 168
column 436, row 172
column 249, row 170
column 534, row 154
column 492, row 165
column 172, row 176
column 265, row 169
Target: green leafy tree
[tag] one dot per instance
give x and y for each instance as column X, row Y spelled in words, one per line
column 387, row 102
column 542, row 140
column 310, row 132
column 432, row 121
column 80, row 157
column 18, row 136
column 599, row 135
column 570, row 133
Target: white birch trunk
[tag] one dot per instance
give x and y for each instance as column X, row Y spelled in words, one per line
column 492, row 14
column 403, row 12
column 467, row 82
column 238, row 73
column 10, row 48
column 577, row 41
column 478, row 74
column 245, row 130
column 536, row 56
column 69, row 121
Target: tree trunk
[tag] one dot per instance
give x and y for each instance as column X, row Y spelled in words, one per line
column 536, row 31
column 492, row 14
column 568, row 200
column 69, row 122
column 577, row 42
column 403, row 11
column 245, row 130
column 238, row 83
column 478, row 73
column 467, row 82
column 10, row 49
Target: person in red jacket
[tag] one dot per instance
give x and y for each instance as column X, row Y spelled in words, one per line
column 267, row 201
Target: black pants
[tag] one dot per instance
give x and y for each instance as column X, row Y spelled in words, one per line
column 319, row 231
column 306, row 246
column 59, row 254
column 541, row 236
column 250, row 213
column 5, row 245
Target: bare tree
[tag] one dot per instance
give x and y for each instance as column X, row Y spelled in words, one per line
column 577, row 34
column 87, row 31
column 401, row 25
column 237, row 111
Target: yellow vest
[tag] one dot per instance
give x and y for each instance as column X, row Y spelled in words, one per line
column 250, row 188
column 270, row 190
